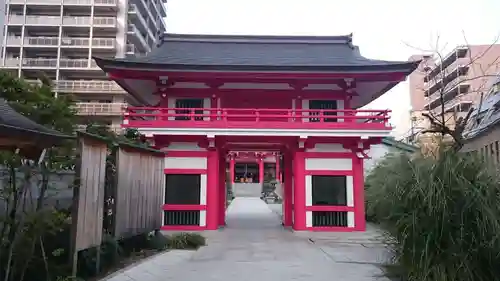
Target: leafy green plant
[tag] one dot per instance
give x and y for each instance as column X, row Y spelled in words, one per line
column 186, row 240
column 158, row 241
column 441, row 213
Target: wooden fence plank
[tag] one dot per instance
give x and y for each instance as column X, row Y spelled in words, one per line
column 137, row 206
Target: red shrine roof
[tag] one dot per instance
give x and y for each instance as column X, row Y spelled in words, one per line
column 180, row 52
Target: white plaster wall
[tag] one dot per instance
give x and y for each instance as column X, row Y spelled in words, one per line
column 305, row 106
column 183, row 146
column 171, row 104
column 328, row 147
column 377, row 152
column 270, row 159
column 185, row 162
column 206, row 104
column 329, row 164
column 203, row 199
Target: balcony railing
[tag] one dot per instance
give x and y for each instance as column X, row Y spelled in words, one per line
column 67, row 20
column 36, row 2
column 97, row 108
column 83, row 86
column 50, row 63
column 89, row 2
column 87, row 86
column 141, row 117
column 133, row 30
column 66, row 41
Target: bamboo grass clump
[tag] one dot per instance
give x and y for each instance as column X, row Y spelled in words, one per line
column 443, row 212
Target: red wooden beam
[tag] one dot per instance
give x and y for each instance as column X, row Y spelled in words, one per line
column 270, row 77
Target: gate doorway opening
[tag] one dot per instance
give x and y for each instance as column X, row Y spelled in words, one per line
column 318, row 183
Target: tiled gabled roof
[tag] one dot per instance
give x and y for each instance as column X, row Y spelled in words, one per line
column 258, row 53
column 16, row 125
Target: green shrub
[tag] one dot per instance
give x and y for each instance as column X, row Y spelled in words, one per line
column 443, row 212
column 186, row 241
column 158, row 241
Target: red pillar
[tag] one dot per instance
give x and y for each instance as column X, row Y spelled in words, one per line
column 222, row 190
column 298, row 107
column 288, row 190
column 231, row 168
column 278, row 171
column 359, row 194
column 261, row 169
column 299, row 192
column 212, row 190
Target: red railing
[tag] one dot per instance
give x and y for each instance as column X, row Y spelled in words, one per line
column 153, row 117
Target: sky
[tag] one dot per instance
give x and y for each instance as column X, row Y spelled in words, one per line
column 383, row 29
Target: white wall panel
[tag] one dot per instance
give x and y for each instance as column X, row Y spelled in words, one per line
column 337, row 164
column 185, row 162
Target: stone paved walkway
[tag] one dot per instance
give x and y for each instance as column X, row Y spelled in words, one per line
column 255, row 247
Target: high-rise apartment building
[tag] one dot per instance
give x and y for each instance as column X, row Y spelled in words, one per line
column 59, row 38
column 456, row 80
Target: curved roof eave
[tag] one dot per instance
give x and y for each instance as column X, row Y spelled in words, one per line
column 406, row 67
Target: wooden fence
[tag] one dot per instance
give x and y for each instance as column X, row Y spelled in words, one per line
column 139, row 194
column 88, row 195
column 136, row 192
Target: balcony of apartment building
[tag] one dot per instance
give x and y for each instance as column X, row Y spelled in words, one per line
column 147, row 12
column 452, row 59
column 104, row 5
column 65, row 21
column 137, row 38
column 98, row 4
column 84, row 86
column 100, row 108
column 444, row 78
column 450, row 83
column 136, row 17
column 449, row 91
column 458, row 108
column 51, row 63
column 64, row 42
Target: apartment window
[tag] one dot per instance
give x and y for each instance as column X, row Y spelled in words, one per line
column 465, row 107
column 186, row 104
column 323, row 105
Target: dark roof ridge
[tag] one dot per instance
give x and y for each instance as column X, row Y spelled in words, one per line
column 304, row 39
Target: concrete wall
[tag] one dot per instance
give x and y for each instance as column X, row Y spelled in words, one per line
column 488, row 144
column 377, row 152
column 60, row 193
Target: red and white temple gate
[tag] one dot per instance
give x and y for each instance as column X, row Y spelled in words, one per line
column 207, row 100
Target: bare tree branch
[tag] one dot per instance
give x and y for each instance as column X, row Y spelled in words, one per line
column 440, row 121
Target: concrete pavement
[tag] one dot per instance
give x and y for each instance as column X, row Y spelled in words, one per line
column 254, row 246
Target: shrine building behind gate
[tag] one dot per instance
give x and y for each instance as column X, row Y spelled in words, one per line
column 205, row 99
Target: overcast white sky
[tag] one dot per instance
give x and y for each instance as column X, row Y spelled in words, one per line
column 384, row 29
